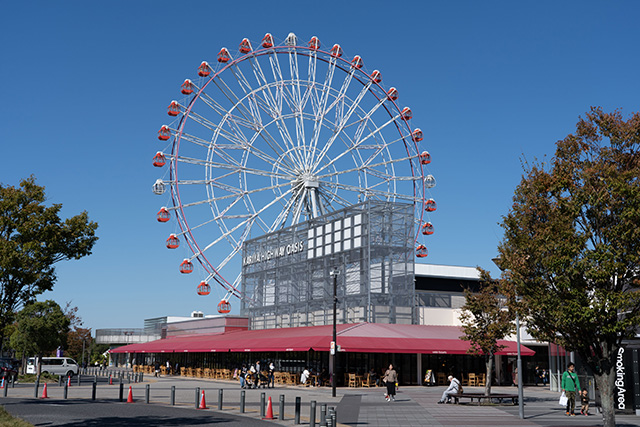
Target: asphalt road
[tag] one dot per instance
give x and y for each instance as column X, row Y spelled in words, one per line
column 79, row 413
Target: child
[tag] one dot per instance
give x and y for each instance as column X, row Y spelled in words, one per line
column 584, row 410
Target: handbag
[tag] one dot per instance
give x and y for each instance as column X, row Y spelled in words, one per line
column 563, row 399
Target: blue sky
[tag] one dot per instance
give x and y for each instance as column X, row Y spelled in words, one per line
column 85, row 86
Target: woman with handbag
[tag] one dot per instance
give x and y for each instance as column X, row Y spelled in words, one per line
column 390, row 378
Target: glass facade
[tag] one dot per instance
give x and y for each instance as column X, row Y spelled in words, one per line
column 286, row 279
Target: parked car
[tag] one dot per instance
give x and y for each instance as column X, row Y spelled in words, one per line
column 54, row 365
column 8, row 371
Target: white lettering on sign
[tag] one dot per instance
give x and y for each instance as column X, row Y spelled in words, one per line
column 268, row 255
column 620, row 379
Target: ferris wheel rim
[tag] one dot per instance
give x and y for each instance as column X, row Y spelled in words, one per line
column 304, row 51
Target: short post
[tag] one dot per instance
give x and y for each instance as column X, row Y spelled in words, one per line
column 78, row 380
column 6, row 389
column 334, row 416
column 281, row 408
column 312, row 414
column 173, row 395
column 297, row 411
column 147, row 393
column 197, row 396
column 35, row 388
column 331, row 417
column 66, row 390
column 242, row 401
column 141, row 376
column 323, row 415
column 220, row 400
column 262, row 405
column 121, row 392
column 59, row 380
column 93, row 390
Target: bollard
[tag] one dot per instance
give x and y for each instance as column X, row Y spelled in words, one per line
column 334, row 416
column 197, row 396
column 312, row 414
column 6, row 388
column 331, row 416
column 66, row 390
column 147, row 393
column 281, row 408
column 220, row 400
column 297, row 413
column 323, row 415
column 121, row 392
column 78, row 381
column 262, row 405
column 59, row 380
column 36, row 385
column 173, row 395
column 93, row 390
column 141, row 377
column 242, row 397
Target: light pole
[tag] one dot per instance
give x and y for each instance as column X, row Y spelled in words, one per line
column 498, row 261
column 334, row 345
column 520, row 392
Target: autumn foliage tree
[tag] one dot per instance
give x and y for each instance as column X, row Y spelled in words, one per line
column 486, row 319
column 572, row 244
column 33, row 238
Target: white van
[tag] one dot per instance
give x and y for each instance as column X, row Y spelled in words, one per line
column 54, row 365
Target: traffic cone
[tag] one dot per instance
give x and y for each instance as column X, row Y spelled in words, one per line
column 110, row 380
column 203, row 403
column 44, row 392
column 69, row 381
column 130, row 396
column 269, row 411
column 2, row 386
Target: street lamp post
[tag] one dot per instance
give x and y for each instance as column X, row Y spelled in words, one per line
column 334, row 345
column 520, row 393
column 498, row 262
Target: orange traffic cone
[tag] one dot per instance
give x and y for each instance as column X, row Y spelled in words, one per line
column 130, row 396
column 269, row 411
column 203, row 403
column 69, row 381
column 44, row 392
column 110, row 380
column 2, row 386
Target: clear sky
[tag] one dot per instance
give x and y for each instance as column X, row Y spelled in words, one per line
column 85, row 86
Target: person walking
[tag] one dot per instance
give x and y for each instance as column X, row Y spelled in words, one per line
column 570, row 385
column 390, row 378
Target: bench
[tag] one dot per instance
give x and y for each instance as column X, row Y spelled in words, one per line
column 481, row 396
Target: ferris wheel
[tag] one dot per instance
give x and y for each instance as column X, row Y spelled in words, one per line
column 275, row 134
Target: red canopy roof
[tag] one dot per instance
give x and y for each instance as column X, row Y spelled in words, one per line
column 353, row 338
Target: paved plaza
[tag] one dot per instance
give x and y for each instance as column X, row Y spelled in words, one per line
column 414, row 406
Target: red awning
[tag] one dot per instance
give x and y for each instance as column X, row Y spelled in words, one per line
column 352, row 338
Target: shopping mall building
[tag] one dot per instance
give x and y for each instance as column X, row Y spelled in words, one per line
column 390, row 308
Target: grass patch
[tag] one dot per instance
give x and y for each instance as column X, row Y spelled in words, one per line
column 6, row 420
column 44, row 378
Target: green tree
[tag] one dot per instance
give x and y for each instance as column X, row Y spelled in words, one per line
column 486, row 319
column 41, row 327
column 32, row 239
column 79, row 339
column 572, row 244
